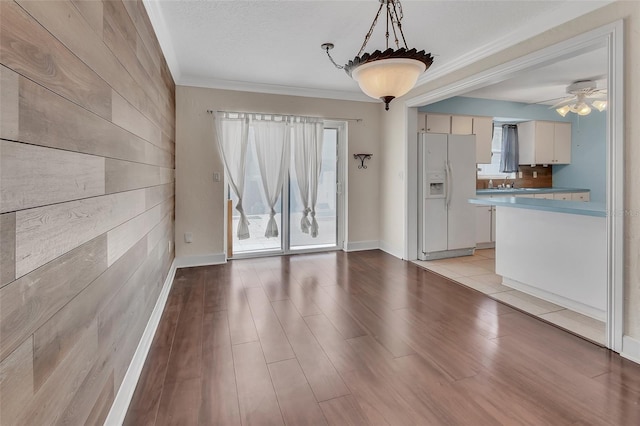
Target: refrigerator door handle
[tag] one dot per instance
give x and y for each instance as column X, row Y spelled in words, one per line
column 449, row 184
column 447, row 179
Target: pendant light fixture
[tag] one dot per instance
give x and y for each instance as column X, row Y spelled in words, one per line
column 389, row 74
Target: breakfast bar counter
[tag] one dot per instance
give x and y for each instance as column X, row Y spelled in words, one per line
column 554, row 250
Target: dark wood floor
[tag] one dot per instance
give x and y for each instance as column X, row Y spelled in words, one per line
column 364, row 338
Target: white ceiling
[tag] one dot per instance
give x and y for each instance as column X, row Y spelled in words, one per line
column 273, row 46
column 547, row 84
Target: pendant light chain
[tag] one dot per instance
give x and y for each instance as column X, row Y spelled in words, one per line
column 368, row 36
column 387, row 33
column 399, row 23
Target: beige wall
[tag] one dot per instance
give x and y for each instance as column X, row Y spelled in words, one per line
column 86, row 202
column 200, row 201
column 394, row 137
column 392, row 179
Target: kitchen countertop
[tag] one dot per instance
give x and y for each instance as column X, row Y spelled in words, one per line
column 496, row 191
column 558, row 206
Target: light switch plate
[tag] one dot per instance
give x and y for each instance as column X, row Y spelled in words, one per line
column 188, row 237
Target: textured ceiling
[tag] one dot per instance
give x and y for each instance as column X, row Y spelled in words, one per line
column 274, row 46
column 546, row 84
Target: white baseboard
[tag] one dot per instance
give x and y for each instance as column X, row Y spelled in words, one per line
column 200, row 260
column 361, row 245
column 125, row 393
column 387, row 248
column 630, row 349
column 581, row 308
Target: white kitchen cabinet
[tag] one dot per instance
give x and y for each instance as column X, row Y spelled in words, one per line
column 483, row 129
column 493, row 224
column 562, row 196
column 483, row 224
column 544, row 142
column 461, row 125
column 438, row 123
column 544, row 196
column 580, row 196
column 562, row 143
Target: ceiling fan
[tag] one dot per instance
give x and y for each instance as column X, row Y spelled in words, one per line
column 584, row 95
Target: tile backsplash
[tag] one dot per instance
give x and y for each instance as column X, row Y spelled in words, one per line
column 544, row 179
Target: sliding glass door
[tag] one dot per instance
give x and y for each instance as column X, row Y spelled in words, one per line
column 289, row 208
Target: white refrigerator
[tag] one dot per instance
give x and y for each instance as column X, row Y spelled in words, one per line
column 448, row 180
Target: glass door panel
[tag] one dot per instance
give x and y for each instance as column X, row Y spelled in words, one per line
column 257, row 210
column 326, row 206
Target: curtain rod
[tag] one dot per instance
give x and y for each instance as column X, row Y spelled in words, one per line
column 357, row 120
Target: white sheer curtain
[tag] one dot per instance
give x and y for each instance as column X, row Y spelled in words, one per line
column 272, row 150
column 233, row 137
column 307, row 138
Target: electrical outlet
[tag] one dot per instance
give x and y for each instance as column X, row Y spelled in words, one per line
column 188, row 237
column 519, row 175
column 535, row 175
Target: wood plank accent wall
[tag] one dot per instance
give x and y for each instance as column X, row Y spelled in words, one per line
column 87, row 131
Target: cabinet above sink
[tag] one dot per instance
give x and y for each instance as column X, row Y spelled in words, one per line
column 544, row 142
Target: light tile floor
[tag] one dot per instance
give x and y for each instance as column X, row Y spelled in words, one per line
column 478, row 272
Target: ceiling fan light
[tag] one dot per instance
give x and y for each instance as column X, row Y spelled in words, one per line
column 582, row 109
column 388, row 77
column 599, row 105
column 563, row 111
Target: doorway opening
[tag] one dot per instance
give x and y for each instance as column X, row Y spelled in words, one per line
column 610, row 36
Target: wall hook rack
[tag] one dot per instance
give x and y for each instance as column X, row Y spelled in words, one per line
column 362, row 157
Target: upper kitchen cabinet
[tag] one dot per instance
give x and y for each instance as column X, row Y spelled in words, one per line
column 544, row 142
column 438, row 123
column 483, row 129
column 461, row 125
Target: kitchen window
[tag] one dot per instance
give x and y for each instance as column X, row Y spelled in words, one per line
column 492, row 170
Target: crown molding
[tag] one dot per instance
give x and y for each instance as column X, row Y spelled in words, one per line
column 154, row 11
column 274, row 89
column 545, row 22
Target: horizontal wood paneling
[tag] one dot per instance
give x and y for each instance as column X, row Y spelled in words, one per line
column 125, row 175
column 9, row 102
column 64, row 20
column 32, row 300
column 46, row 405
column 44, row 233
column 122, row 238
column 7, row 248
column 129, row 118
column 87, row 129
column 75, row 129
column 16, row 382
column 158, row 194
column 28, row 49
column 91, row 12
column 160, row 231
column 60, row 334
column 102, row 405
column 33, row 176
